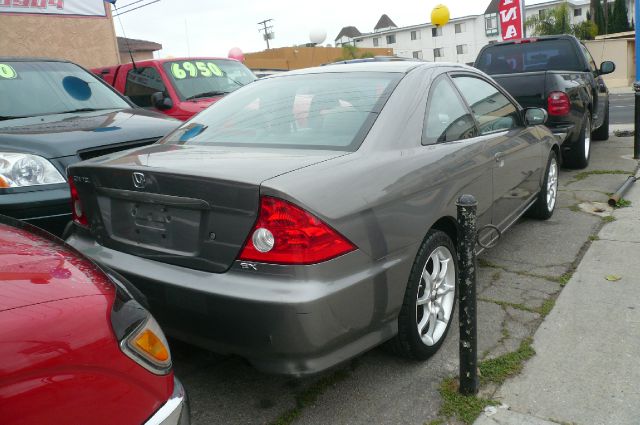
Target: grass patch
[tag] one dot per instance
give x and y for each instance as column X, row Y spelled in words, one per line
column 499, row 369
column 468, row 408
column 575, row 208
column 543, row 310
column 594, row 238
column 623, row 203
column 309, row 396
column 465, row 408
column 565, row 278
column 486, row 264
column 609, row 219
column 581, row 176
column 546, row 307
column 438, row 421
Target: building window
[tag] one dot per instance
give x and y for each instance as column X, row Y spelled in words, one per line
column 436, row 32
column 376, row 42
column 460, row 28
column 391, row 39
column 462, row 49
column 491, row 24
column 438, row 53
column 417, row 54
column 541, row 13
column 415, row 35
column 577, row 12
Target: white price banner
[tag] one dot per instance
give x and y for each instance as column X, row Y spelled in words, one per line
column 55, row 7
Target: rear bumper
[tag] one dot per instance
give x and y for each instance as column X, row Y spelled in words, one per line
column 283, row 319
column 175, row 411
column 49, row 209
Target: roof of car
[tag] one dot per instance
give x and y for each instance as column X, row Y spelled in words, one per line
column 30, row 59
column 391, row 66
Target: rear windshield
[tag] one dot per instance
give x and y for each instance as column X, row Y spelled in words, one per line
column 542, row 55
column 315, row 111
column 42, row 88
column 199, row 78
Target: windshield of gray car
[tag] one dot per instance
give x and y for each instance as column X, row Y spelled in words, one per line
column 314, row 111
column 530, row 56
column 200, row 78
column 29, row 89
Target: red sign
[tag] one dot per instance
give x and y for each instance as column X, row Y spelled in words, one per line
column 55, row 7
column 511, row 19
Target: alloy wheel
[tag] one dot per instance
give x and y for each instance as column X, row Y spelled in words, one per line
column 435, row 298
column 552, row 184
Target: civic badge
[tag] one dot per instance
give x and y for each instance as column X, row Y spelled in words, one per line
column 139, row 180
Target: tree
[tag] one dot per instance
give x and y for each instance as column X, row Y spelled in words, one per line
column 620, row 18
column 558, row 21
column 598, row 17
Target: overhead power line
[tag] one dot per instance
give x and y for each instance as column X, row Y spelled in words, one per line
column 135, row 8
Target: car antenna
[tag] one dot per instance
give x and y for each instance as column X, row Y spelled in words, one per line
column 126, row 40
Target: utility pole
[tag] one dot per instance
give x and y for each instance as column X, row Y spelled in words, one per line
column 268, row 34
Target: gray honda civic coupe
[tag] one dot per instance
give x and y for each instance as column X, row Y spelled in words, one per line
column 310, row 216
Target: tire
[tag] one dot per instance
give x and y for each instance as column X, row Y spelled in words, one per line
column 547, row 199
column 603, row 132
column 578, row 156
column 441, row 300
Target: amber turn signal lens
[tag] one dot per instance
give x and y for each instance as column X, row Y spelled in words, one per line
column 4, row 183
column 148, row 342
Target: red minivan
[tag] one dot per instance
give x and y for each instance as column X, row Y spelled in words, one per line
column 77, row 346
column 177, row 87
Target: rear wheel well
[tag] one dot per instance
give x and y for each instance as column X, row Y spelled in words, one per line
column 449, row 226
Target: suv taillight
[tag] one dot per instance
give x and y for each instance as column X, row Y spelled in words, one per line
column 558, row 104
column 286, row 234
column 77, row 212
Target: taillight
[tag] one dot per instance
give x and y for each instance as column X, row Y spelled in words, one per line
column 286, row 234
column 558, row 104
column 77, row 211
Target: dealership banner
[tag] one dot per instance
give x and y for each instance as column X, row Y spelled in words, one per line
column 55, row 7
column 511, row 19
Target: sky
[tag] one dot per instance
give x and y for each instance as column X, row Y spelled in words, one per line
column 213, row 27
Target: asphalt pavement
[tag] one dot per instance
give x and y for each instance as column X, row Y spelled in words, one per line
column 622, row 107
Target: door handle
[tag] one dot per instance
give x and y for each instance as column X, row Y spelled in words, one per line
column 499, row 157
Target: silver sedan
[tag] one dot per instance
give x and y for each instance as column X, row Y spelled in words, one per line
column 310, row 216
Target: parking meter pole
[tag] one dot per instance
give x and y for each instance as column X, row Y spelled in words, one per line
column 636, row 135
column 467, row 213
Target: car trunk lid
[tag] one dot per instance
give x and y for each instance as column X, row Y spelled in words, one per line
column 191, row 206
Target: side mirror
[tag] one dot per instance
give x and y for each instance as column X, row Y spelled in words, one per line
column 160, row 101
column 607, row 67
column 535, row 116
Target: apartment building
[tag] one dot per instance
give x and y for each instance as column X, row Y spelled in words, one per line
column 458, row 41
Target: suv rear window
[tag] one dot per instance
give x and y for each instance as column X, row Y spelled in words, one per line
column 541, row 55
column 315, row 111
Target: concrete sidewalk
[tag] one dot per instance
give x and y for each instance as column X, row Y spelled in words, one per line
column 587, row 364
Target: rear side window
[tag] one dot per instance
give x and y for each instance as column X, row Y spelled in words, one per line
column 141, row 84
column 447, row 118
column 491, row 109
column 547, row 55
column 316, row 111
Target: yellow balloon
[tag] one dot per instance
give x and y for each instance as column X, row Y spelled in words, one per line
column 440, row 15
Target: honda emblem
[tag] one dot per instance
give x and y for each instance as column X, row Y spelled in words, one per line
column 139, row 180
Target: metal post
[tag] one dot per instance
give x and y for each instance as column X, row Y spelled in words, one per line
column 636, row 86
column 636, row 134
column 467, row 210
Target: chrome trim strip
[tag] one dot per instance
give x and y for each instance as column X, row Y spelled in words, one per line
column 175, row 411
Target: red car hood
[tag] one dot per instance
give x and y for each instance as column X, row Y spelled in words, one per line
column 192, row 107
column 35, row 269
